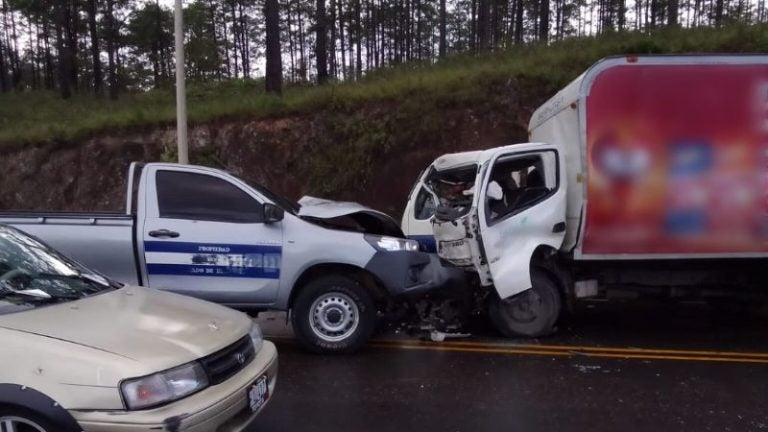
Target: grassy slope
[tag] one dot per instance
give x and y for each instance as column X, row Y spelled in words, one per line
column 34, row 117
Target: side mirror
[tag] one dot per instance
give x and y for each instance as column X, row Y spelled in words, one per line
column 494, row 191
column 272, row 213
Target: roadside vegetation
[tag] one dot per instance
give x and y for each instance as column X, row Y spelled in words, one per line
column 35, row 117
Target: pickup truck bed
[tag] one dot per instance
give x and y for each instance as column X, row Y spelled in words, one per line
column 73, row 234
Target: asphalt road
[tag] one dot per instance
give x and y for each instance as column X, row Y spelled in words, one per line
column 612, row 367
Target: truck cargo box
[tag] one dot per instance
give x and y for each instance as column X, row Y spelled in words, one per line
column 667, row 156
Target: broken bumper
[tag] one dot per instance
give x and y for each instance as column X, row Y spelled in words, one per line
column 412, row 273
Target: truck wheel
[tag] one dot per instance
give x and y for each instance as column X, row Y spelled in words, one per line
column 532, row 313
column 19, row 420
column 333, row 314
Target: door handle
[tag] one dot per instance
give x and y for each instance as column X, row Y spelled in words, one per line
column 558, row 227
column 163, row 233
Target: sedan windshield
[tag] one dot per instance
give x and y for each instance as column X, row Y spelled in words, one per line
column 33, row 274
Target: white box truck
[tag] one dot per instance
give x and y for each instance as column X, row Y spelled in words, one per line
column 645, row 174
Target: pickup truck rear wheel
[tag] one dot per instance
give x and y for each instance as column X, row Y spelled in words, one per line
column 532, row 313
column 333, row 314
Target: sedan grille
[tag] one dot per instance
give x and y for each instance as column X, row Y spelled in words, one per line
column 226, row 362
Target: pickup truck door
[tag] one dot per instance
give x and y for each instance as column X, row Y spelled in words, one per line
column 521, row 207
column 202, row 233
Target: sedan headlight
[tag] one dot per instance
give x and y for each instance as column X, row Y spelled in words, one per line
column 164, row 387
column 256, row 337
column 392, row 244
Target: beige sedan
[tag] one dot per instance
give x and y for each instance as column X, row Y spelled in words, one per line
column 79, row 352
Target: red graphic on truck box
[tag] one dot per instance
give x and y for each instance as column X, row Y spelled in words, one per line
column 678, row 160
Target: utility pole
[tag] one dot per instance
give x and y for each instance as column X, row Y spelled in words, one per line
column 181, row 91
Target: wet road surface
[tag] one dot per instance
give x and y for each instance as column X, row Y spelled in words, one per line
column 634, row 367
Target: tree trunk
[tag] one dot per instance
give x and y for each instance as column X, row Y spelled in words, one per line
column 334, row 71
column 302, row 45
column 484, row 24
column 33, row 51
column 443, row 22
column 341, row 38
column 359, row 34
column 321, row 49
column 370, row 32
column 544, row 20
column 473, row 25
column 10, row 44
column 3, row 69
column 672, row 12
column 95, row 52
column 72, row 22
column 719, row 13
column 215, row 36
column 351, row 45
column 418, row 37
column 64, row 84
column 274, row 76
column 111, row 49
column 622, row 14
column 408, row 30
column 519, row 9
column 244, row 43
column 291, row 45
column 236, row 36
column 225, row 40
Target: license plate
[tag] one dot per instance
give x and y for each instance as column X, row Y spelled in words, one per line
column 259, row 393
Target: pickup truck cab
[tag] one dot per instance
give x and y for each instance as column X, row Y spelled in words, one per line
column 81, row 352
column 205, row 233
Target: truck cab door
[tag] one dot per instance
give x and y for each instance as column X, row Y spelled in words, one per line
column 521, row 207
column 420, row 208
column 203, row 233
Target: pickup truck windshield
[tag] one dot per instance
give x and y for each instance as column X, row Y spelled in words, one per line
column 32, row 274
column 284, row 203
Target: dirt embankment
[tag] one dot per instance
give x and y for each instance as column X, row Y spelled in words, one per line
column 370, row 154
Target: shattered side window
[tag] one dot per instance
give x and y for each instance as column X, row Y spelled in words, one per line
column 425, row 204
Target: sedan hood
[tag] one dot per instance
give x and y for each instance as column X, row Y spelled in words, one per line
column 350, row 216
column 157, row 329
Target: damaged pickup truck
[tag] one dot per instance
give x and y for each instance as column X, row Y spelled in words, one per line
column 204, row 233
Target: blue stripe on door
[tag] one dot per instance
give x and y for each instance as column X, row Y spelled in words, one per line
column 209, row 248
column 213, row 271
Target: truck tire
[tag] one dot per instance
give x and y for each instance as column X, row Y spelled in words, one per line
column 333, row 315
column 532, row 313
column 21, row 420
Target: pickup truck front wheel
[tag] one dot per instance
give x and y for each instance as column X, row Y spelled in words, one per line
column 532, row 313
column 333, row 314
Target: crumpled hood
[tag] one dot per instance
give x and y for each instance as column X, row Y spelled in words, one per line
column 367, row 220
column 159, row 330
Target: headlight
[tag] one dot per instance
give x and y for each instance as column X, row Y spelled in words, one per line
column 392, row 244
column 164, row 387
column 257, row 337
